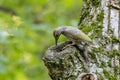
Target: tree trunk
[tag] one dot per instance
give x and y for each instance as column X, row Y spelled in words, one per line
column 100, row 19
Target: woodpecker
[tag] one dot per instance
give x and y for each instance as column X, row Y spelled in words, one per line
column 72, row 33
column 76, row 36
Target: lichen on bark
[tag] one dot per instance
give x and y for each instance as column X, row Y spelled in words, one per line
column 102, row 24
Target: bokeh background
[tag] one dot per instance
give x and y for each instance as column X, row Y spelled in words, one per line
column 26, row 32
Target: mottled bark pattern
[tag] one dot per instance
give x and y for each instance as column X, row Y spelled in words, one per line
column 64, row 64
column 102, row 23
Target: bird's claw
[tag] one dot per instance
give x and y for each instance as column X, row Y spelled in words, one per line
column 68, row 45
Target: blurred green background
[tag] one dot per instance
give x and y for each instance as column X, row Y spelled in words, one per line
column 26, row 32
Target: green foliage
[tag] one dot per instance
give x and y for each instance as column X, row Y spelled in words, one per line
column 24, row 37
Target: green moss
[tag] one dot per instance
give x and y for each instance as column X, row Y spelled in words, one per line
column 97, row 29
column 100, row 16
column 115, row 40
column 93, row 56
column 93, row 26
column 90, row 17
column 94, row 3
column 109, row 75
column 109, row 64
column 107, row 40
column 95, row 23
column 117, row 69
column 114, row 53
column 84, row 13
column 96, row 49
column 103, row 64
column 83, row 25
column 85, row 28
column 110, row 31
column 98, row 32
column 100, row 76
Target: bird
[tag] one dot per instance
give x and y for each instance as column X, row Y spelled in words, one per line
column 72, row 33
column 76, row 36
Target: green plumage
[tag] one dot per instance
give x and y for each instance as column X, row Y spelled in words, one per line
column 72, row 33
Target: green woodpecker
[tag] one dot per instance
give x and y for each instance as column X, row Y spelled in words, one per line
column 72, row 33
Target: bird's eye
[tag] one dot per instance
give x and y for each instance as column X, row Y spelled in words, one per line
column 57, row 35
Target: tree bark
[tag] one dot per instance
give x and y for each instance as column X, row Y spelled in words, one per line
column 101, row 21
column 64, row 64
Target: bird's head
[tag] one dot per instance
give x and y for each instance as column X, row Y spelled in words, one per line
column 56, row 34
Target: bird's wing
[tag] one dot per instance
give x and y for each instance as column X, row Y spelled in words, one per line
column 78, row 34
column 74, row 33
column 83, row 36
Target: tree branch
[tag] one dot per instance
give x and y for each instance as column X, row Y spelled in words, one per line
column 8, row 10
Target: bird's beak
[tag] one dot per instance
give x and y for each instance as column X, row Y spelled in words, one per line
column 56, row 40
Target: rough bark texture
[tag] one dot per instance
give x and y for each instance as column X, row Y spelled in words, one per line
column 64, row 64
column 101, row 22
